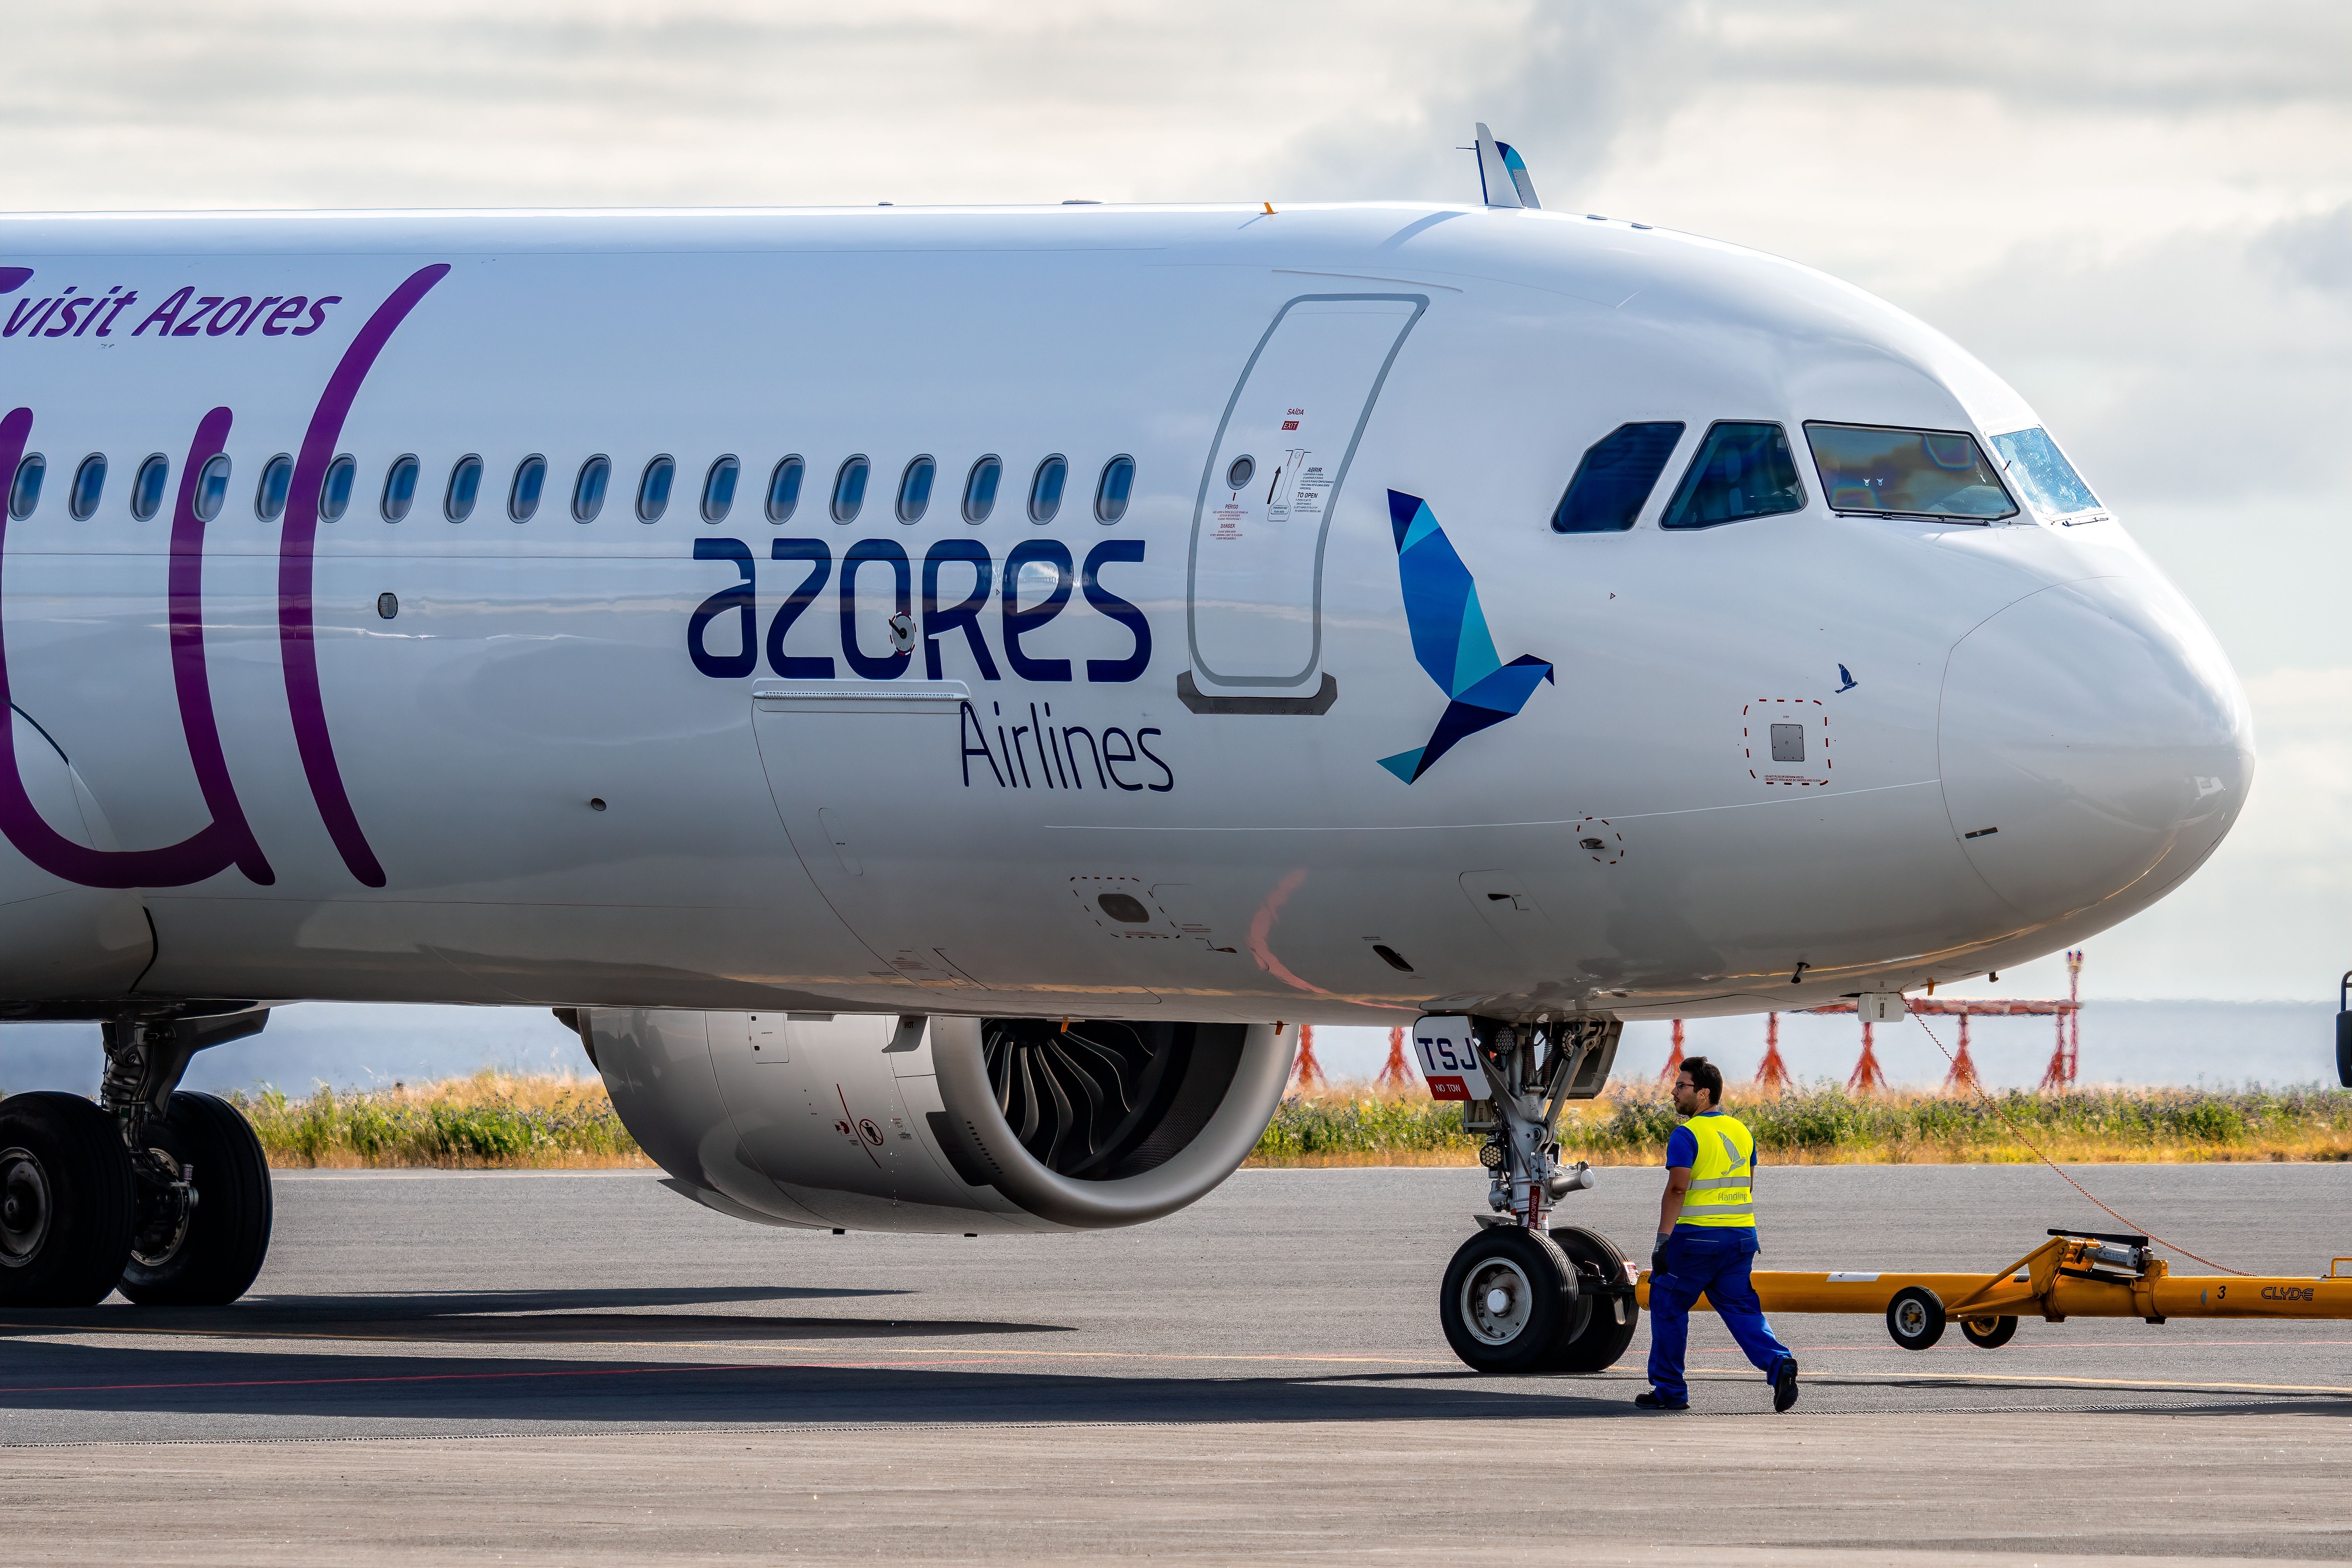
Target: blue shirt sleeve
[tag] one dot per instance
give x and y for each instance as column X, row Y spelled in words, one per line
column 1682, row 1148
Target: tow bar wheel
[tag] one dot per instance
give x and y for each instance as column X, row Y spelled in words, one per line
column 1506, row 1296
column 1916, row 1317
column 1988, row 1333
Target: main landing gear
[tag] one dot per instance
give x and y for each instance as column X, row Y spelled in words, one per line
column 1521, row 1296
column 163, row 1193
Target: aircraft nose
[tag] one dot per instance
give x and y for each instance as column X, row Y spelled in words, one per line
column 2094, row 746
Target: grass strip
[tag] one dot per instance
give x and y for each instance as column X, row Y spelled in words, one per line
column 492, row 1121
column 1824, row 1125
column 499, row 1120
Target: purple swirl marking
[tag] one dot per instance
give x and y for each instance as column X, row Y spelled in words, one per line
column 226, row 840
column 297, row 640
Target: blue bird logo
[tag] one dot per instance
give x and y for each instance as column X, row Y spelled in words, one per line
column 1449, row 640
column 1846, row 676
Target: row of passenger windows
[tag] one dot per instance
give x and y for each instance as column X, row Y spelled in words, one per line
column 1745, row 469
column 1114, row 487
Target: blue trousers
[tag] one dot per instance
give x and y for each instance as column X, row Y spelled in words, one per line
column 1714, row 1260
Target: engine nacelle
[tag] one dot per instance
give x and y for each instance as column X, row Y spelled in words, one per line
column 971, row 1125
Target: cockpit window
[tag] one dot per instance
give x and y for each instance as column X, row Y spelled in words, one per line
column 2033, row 461
column 1907, row 473
column 1742, row 470
column 1615, row 478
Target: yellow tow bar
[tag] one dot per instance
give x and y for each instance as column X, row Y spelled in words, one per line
column 2075, row 1274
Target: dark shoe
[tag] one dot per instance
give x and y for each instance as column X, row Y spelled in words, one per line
column 1652, row 1402
column 1784, row 1383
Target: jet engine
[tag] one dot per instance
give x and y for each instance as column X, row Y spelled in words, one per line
column 937, row 1124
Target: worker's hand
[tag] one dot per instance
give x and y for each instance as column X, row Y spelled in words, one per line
column 1658, row 1253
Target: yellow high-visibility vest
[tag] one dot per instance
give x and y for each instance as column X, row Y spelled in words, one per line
column 1721, row 1191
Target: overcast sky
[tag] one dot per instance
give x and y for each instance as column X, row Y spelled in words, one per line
column 2140, row 214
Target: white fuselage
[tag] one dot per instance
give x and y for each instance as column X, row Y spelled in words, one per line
column 618, row 763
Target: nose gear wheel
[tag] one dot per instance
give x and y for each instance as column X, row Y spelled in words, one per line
column 1597, row 1334
column 1539, row 1296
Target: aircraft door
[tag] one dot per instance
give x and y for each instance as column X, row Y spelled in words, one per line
column 1253, row 607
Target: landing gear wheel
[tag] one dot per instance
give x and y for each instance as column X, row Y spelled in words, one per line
column 65, row 1201
column 1508, row 1295
column 204, row 1254
column 1988, row 1333
column 1603, row 1323
column 1916, row 1317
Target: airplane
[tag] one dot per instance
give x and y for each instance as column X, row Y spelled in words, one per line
column 936, row 696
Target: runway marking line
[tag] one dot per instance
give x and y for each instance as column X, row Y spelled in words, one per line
column 1996, row 1379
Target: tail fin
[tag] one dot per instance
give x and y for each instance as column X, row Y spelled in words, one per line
column 1503, row 178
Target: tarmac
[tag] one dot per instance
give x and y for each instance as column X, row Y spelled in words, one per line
column 582, row 1367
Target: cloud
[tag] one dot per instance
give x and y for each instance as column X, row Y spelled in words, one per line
column 2182, row 371
column 2315, row 251
column 2172, row 57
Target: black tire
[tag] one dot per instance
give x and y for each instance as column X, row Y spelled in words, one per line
column 1594, row 1339
column 1915, row 1318
column 1988, row 1333
column 65, row 1201
column 212, row 1261
column 1540, row 1292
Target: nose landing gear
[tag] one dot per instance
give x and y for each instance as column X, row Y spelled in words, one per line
column 1519, row 1296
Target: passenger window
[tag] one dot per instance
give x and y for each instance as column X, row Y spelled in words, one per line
column 24, row 493
column 718, row 490
column 980, row 488
column 465, row 487
column 335, row 494
column 1045, row 489
column 1742, row 470
column 269, row 496
column 1886, row 472
column 653, row 489
column 147, row 489
column 90, row 484
column 529, row 483
column 212, row 487
column 2032, row 460
column 849, row 489
column 1118, row 482
column 915, row 489
column 1615, row 478
column 588, row 490
column 400, row 486
column 784, row 489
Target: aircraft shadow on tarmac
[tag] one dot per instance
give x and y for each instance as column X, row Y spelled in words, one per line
column 519, row 1317
column 57, row 1391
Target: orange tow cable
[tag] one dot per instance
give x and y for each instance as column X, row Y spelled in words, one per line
column 2134, row 1226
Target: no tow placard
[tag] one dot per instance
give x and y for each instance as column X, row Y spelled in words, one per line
column 1449, row 1058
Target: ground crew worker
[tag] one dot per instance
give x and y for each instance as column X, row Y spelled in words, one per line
column 1706, row 1243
